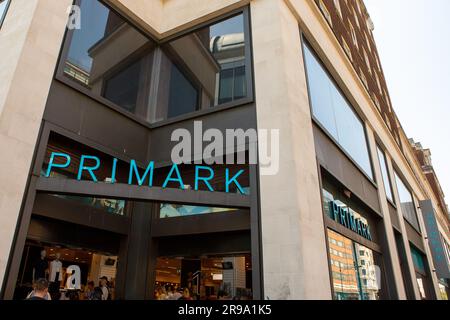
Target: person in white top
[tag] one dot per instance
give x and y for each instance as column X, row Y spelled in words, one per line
column 104, row 287
column 56, row 269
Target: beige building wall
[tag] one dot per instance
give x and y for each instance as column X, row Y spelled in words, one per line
column 30, row 39
column 295, row 263
column 163, row 18
column 328, row 48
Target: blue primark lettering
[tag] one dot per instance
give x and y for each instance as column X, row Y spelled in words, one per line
column 369, row 235
column 335, row 211
column 352, row 221
column 134, row 171
column 229, row 181
column 113, row 171
column 89, row 169
column 358, row 223
column 52, row 163
column 343, row 214
column 177, row 179
column 90, row 164
column 346, row 217
column 204, row 179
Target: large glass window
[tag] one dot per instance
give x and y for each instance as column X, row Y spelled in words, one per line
column 334, row 113
column 385, row 174
column 406, row 202
column 353, row 269
column 168, row 210
column 3, row 8
column 110, row 58
column 421, row 273
column 200, row 70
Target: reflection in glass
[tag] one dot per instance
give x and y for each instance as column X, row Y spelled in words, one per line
column 384, row 173
column 201, row 70
column 109, row 57
column 197, row 71
column 335, row 114
column 421, row 287
column 174, row 210
column 353, row 268
column 3, row 7
column 367, row 273
column 406, row 202
column 328, row 198
column 112, row 206
column 123, row 87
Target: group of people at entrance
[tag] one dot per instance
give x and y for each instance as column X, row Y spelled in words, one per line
column 170, row 293
column 42, row 291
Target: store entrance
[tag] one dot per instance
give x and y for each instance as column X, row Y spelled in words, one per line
column 209, row 266
column 79, row 263
column 58, row 260
column 204, row 278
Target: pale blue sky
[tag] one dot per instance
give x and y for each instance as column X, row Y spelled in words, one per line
column 413, row 40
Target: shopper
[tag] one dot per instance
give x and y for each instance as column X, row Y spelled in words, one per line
column 40, row 291
column 89, row 290
column 104, row 287
column 186, row 295
column 97, row 294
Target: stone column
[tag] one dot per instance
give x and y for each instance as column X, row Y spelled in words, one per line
column 294, row 252
column 391, row 256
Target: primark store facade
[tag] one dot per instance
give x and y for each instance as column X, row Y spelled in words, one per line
column 90, row 190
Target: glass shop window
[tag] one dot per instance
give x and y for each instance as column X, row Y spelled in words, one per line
column 355, row 276
column 332, row 110
column 123, row 68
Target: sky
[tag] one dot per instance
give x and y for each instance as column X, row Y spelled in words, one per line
column 413, row 41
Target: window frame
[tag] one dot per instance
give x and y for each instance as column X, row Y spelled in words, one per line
column 380, row 152
column 3, row 15
column 305, row 42
column 397, row 177
column 145, row 120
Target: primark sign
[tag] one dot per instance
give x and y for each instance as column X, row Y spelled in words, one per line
column 346, row 217
column 200, row 148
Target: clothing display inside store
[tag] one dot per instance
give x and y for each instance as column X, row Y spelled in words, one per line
column 72, row 273
column 204, row 278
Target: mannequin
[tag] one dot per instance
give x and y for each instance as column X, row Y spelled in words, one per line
column 56, row 269
column 40, row 267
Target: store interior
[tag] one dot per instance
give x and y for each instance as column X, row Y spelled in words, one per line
column 52, row 262
column 207, row 277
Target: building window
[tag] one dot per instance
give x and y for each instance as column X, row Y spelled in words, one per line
column 358, row 5
column 363, row 79
column 4, row 4
column 366, row 59
column 124, row 69
column 334, row 113
column 368, row 43
column 337, row 4
column 406, row 202
column 378, row 82
column 376, row 101
column 351, row 281
column 387, row 121
column 353, row 34
column 385, row 174
column 347, row 49
column 325, row 12
column 168, row 210
column 356, row 18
